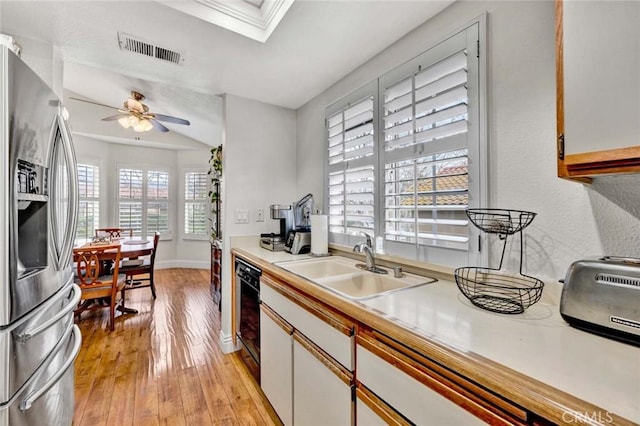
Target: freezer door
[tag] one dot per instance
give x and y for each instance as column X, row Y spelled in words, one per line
column 29, row 342
column 48, row 398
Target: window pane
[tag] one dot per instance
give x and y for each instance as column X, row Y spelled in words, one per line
column 130, row 184
column 196, row 196
column 130, row 216
column 88, row 219
column 195, row 218
column 157, row 217
column 89, row 201
column 158, row 185
column 195, row 186
column 425, row 199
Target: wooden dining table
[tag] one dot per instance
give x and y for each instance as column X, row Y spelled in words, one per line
column 130, row 249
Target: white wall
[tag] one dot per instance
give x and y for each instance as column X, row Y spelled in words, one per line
column 259, row 169
column 175, row 252
column 573, row 220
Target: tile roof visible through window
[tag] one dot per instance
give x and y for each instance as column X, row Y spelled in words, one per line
column 448, row 179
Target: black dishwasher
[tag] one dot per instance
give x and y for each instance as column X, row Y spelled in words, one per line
column 248, row 281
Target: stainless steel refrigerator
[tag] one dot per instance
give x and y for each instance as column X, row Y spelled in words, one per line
column 38, row 208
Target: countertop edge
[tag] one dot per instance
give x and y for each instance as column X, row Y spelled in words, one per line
column 541, row 399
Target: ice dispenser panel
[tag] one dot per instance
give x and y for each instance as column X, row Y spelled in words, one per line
column 32, row 202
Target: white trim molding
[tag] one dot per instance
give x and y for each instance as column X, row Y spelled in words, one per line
column 242, row 17
column 226, row 343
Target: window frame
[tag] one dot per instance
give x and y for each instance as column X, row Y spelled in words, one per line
column 146, row 168
column 475, row 34
column 206, row 202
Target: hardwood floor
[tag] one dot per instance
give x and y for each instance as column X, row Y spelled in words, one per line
column 163, row 366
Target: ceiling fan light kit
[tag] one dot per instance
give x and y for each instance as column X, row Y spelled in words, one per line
column 139, row 125
column 136, row 115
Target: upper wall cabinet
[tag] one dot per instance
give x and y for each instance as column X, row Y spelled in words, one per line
column 598, row 87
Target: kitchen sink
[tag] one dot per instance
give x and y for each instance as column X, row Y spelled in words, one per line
column 312, row 269
column 341, row 275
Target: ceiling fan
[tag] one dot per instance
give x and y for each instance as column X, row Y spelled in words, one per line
column 136, row 115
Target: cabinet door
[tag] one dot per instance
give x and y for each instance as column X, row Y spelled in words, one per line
column 598, row 83
column 276, row 359
column 322, row 387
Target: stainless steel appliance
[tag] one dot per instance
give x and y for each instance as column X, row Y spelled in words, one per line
column 248, row 282
column 276, row 242
column 298, row 242
column 38, row 209
column 603, row 296
column 302, row 210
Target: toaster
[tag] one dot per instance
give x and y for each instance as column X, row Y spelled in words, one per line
column 602, row 296
column 298, row 242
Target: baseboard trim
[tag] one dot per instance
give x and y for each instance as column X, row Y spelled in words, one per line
column 178, row 263
column 226, row 343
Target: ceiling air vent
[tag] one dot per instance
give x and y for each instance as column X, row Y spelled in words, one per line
column 143, row 47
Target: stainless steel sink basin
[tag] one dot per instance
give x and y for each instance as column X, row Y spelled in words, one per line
column 341, row 275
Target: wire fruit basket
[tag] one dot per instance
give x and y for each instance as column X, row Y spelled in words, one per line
column 493, row 289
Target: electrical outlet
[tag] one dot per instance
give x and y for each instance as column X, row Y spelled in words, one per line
column 260, row 215
column 241, row 216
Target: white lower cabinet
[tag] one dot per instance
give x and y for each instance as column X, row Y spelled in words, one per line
column 322, row 393
column 276, row 363
column 306, row 354
column 417, row 402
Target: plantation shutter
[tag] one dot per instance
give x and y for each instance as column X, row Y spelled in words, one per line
column 351, row 158
column 130, row 185
column 157, row 202
column 89, row 201
column 195, row 215
column 427, row 106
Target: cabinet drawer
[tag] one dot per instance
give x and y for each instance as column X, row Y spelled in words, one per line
column 372, row 411
column 330, row 332
column 417, row 402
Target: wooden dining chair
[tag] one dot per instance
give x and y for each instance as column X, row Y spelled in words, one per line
column 96, row 279
column 114, row 232
column 143, row 272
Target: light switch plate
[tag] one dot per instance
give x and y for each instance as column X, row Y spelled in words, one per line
column 241, row 216
column 260, row 215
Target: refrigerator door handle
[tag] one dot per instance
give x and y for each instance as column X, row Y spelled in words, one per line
column 77, row 293
column 43, row 366
column 70, row 232
column 33, row 396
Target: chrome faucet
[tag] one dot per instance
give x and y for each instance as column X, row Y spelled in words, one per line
column 367, row 249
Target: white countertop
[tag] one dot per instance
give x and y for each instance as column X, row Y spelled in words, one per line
column 251, row 244
column 537, row 343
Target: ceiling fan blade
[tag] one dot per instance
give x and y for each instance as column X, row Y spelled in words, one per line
column 158, row 125
column 170, row 119
column 92, row 102
column 115, row 117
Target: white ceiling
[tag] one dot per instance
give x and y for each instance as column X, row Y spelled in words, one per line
column 315, row 44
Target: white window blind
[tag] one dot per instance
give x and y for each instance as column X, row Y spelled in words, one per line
column 408, row 167
column 157, row 202
column 195, row 209
column 89, row 200
column 351, row 159
column 143, row 201
column 425, row 111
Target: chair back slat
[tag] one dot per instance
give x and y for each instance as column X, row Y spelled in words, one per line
column 114, row 232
